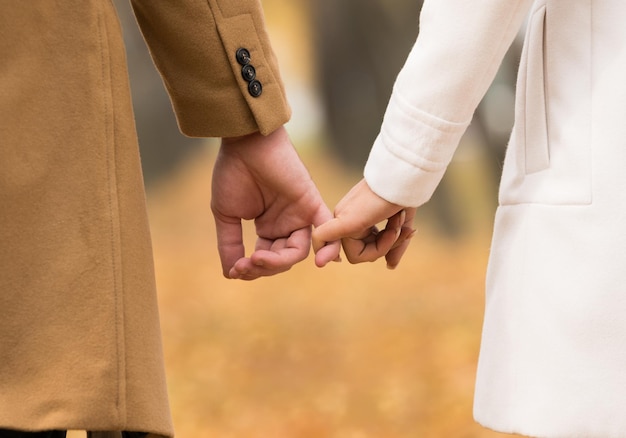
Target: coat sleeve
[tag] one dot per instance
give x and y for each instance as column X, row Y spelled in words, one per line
column 454, row 60
column 194, row 44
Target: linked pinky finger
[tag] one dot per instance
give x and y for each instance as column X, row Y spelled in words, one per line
column 330, row 252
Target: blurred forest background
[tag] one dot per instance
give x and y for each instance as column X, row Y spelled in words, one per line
column 347, row 351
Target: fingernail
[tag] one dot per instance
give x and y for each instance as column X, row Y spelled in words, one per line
column 391, row 267
column 411, row 234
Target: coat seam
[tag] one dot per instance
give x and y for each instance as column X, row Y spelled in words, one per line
column 591, row 102
column 109, row 140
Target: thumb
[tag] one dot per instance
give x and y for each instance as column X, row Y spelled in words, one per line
column 229, row 243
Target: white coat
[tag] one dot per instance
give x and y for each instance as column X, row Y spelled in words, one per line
column 553, row 354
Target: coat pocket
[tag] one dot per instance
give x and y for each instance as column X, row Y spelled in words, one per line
column 548, row 160
column 533, row 133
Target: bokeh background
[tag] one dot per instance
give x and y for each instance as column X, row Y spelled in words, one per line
column 345, row 351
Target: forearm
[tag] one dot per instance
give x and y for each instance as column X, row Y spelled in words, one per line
column 457, row 54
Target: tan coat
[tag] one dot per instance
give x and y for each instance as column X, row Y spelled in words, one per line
column 80, row 344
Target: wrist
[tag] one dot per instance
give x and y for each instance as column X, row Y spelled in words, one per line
column 254, row 138
column 226, row 141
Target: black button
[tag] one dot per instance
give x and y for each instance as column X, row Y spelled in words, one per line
column 248, row 72
column 255, row 88
column 243, row 56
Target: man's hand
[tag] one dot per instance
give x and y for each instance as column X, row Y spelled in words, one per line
column 262, row 179
column 355, row 221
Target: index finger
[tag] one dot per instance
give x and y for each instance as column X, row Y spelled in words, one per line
column 273, row 256
column 281, row 254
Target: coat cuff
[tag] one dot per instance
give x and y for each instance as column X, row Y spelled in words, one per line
column 411, row 153
column 194, row 45
column 269, row 109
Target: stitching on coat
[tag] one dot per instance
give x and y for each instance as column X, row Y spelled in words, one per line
column 110, row 158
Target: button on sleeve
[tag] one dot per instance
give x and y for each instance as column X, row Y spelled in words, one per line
column 248, row 72
column 255, row 88
column 243, row 56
